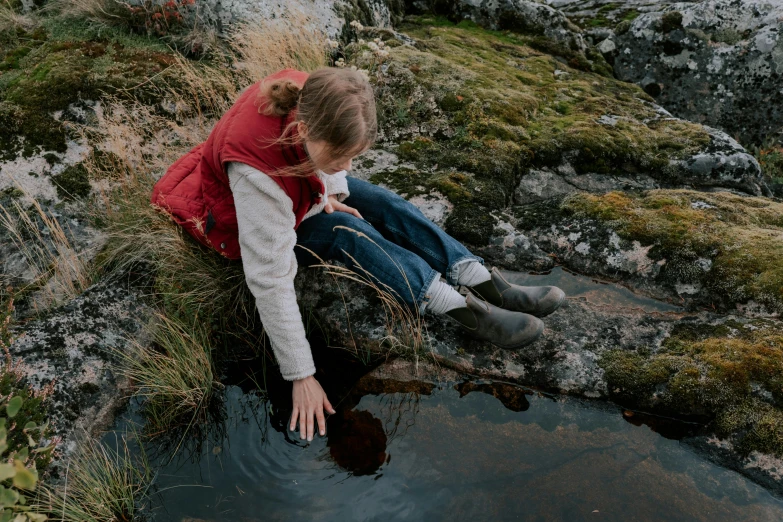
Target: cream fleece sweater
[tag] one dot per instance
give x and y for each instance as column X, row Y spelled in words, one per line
column 266, row 240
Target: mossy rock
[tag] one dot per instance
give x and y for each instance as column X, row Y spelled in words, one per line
column 72, row 183
column 489, row 103
column 471, row 224
column 608, row 15
column 671, row 21
column 60, row 64
column 458, row 187
column 622, row 27
column 742, row 237
column 730, row 372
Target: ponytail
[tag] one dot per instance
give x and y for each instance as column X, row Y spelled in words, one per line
column 283, row 96
column 337, row 105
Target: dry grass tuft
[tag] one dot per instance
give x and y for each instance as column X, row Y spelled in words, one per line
column 101, row 484
column 57, row 268
column 109, row 13
column 405, row 326
column 292, row 40
column 175, row 378
column 10, row 20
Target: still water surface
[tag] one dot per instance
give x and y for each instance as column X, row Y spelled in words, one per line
column 432, row 454
column 469, row 450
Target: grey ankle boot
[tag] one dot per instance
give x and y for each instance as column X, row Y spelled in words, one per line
column 502, row 328
column 534, row 300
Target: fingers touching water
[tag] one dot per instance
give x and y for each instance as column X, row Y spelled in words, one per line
column 309, row 401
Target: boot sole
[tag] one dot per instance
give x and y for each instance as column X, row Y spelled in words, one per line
column 473, row 336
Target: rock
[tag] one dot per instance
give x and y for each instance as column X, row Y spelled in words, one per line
column 718, row 62
column 546, row 184
column 727, row 164
column 333, row 16
column 607, row 46
column 538, row 198
column 521, row 16
column 71, row 346
column 49, row 251
column 486, row 132
column 598, row 18
column 714, row 250
column 542, row 184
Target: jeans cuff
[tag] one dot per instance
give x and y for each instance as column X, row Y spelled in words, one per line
column 451, row 275
column 423, row 299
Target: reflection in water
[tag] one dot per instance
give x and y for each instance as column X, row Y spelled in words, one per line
column 664, row 426
column 512, row 397
column 412, row 450
column 406, row 451
column 357, row 441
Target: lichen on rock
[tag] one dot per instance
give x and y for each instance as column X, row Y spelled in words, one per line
column 727, row 246
column 474, row 110
column 728, row 372
column 719, row 62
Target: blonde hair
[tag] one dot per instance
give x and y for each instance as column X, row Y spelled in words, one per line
column 337, row 105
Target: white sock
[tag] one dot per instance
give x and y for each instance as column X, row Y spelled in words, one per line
column 443, row 298
column 470, row 272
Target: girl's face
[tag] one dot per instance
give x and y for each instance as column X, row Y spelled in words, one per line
column 324, row 160
column 321, row 155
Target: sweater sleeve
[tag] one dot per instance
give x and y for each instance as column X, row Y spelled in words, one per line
column 266, row 240
column 337, row 184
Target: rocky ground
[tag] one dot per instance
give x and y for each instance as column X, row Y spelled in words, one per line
column 518, row 140
column 717, row 62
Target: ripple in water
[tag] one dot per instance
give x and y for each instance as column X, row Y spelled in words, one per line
column 468, row 450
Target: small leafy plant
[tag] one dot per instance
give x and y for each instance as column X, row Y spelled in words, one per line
column 21, row 430
column 15, row 475
column 158, row 19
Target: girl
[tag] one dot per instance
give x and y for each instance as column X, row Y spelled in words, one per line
column 272, row 175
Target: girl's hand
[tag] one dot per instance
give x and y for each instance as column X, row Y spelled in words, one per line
column 309, row 399
column 332, row 204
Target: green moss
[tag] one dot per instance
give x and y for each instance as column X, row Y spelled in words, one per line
column 622, row 27
column 742, row 236
column 607, row 16
column 671, row 21
column 73, row 182
column 12, row 192
column 753, row 425
column 11, row 57
column 631, row 15
column 60, row 64
column 470, row 223
column 492, row 107
column 601, row 17
column 727, row 35
column 730, row 372
column 457, row 187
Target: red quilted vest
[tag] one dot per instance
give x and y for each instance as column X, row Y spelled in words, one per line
column 195, row 189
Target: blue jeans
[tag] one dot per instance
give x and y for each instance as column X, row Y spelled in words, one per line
column 409, row 250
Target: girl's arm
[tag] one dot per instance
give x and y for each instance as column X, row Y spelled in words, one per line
column 266, row 240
